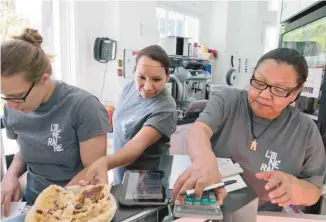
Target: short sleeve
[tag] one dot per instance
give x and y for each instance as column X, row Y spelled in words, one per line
column 217, row 109
column 164, row 121
column 5, row 120
column 92, row 119
column 314, row 166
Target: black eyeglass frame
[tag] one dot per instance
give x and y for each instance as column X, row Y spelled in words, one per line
column 21, row 99
column 289, row 92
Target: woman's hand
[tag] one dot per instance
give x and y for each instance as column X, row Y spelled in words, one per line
column 282, row 187
column 96, row 173
column 201, row 174
column 10, row 191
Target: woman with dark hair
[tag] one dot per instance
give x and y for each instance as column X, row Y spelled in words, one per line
column 58, row 134
column 259, row 129
column 143, row 121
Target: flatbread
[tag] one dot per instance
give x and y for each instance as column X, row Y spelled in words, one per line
column 78, row 204
column 38, row 215
column 53, row 204
column 92, row 202
column 54, row 197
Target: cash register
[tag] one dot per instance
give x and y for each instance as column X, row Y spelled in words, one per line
column 240, row 205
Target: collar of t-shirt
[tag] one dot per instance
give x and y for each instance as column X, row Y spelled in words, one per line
column 53, row 100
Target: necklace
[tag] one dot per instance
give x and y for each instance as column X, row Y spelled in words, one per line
column 254, row 144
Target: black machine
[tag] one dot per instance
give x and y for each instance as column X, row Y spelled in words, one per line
column 143, row 188
column 105, row 49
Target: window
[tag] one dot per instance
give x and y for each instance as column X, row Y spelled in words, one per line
column 15, row 15
column 171, row 23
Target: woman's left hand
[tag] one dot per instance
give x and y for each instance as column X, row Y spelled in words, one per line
column 281, row 186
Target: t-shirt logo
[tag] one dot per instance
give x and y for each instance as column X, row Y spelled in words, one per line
column 273, row 163
column 53, row 141
column 128, row 125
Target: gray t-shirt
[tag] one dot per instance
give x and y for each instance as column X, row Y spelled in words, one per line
column 134, row 112
column 292, row 143
column 49, row 137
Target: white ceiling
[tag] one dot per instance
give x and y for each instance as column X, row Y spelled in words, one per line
column 197, row 7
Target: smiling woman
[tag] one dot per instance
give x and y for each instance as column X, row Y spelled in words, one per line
column 144, row 119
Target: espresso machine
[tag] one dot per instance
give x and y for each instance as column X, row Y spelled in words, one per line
column 190, row 83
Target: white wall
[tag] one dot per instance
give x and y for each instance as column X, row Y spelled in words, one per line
column 95, row 19
column 237, row 28
column 217, row 27
column 132, row 20
column 119, row 21
column 231, row 27
column 245, row 36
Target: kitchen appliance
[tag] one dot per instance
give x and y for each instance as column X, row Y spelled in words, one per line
column 190, row 84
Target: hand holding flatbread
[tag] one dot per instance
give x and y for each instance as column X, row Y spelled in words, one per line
column 96, row 173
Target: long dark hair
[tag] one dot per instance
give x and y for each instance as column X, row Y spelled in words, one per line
column 156, row 53
column 291, row 57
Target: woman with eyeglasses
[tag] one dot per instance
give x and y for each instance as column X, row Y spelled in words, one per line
column 272, row 140
column 60, row 129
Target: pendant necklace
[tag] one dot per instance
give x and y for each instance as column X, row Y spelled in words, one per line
column 254, row 144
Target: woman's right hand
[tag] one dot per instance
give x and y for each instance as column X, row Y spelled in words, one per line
column 202, row 173
column 10, row 191
column 96, row 173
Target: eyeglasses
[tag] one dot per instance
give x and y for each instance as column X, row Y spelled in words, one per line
column 277, row 91
column 21, row 99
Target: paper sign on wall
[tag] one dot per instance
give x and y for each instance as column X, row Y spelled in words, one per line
column 312, row 85
column 129, row 62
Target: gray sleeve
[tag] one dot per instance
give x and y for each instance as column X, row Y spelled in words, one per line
column 9, row 131
column 314, row 166
column 92, row 119
column 164, row 121
column 217, row 109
